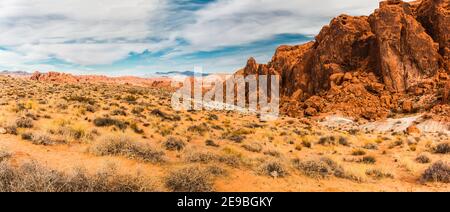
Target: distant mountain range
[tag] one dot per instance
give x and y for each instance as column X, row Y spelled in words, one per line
column 181, row 73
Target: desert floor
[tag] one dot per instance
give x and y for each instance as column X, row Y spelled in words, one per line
column 98, row 137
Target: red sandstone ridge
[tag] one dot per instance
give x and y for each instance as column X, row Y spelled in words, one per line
column 395, row 60
column 69, row 78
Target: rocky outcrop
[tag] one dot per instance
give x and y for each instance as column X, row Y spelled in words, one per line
column 367, row 66
column 434, row 15
column 407, row 54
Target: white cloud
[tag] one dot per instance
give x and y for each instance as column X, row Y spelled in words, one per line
column 234, row 22
column 64, row 28
column 96, row 32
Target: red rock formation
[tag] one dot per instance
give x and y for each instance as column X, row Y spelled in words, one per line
column 435, row 18
column 57, row 77
column 366, row 66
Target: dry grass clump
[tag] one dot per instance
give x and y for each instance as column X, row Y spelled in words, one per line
column 323, row 168
column 32, row 177
column 200, row 129
column 328, row 141
column 174, row 144
column 41, row 138
column 379, row 174
column 195, row 156
column 24, row 122
column 107, row 122
column 211, row 143
column 368, row 160
column 443, row 148
column 4, row 155
column 423, row 158
column 205, row 157
column 190, row 179
column 165, row 116
column 253, row 147
column 123, row 146
column 438, row 172
column 273, row 168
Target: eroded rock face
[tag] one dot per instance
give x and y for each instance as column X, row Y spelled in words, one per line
column 367, row 66
column 407, row 54
column 435, row 18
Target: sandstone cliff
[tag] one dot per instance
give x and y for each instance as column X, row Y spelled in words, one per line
column 394, row 61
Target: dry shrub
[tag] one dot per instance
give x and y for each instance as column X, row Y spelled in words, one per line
column 123, row 146
column 190, row 179
column 323, row 168
column 443, row 148
column 438, row 172
column 32, row 177
column 174, row 144
column 379, row 174
column 423, row 158
column 107, row 122
column 273, row 168
column 24, row 122
column 253, row 147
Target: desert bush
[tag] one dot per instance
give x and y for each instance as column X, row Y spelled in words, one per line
column 174, row 144
column 323, row 168
column 273, row 168
column 368, row 160
column 438, row 172
column 344, row 141
column 443, row 148
column 190, row 179
column 211, row 143
column 11, row 128
column 134, row 126
column 123, row 146
column 107, row 122
column 40, row 138
column 137, row 110
column 423, row 158
column 199, row 129
column 165, row 116
column 74, row 132
column 216, row 170
column 213, row 117
column 273, row 153
column 253, row 147
column 118, row 112
column 358, row 152
column 370, row 146
column 195, row 156
column 32, row 177
column 379, row 174
column 4, row 155
column 24, row 122
column 327, row 140
column 306, row 143
column 313, row 168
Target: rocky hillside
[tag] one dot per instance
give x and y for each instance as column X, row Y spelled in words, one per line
column 394, row 61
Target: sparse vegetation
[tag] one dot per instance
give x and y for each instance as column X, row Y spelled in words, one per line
column 174, row 144
column 32, row 177
column 273, row 168
column 190, row 179
column 438, row 172
column 125, row 146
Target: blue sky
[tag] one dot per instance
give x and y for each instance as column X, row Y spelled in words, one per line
column 141, row 37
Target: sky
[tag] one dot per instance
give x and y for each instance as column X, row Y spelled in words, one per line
column 142, row 37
